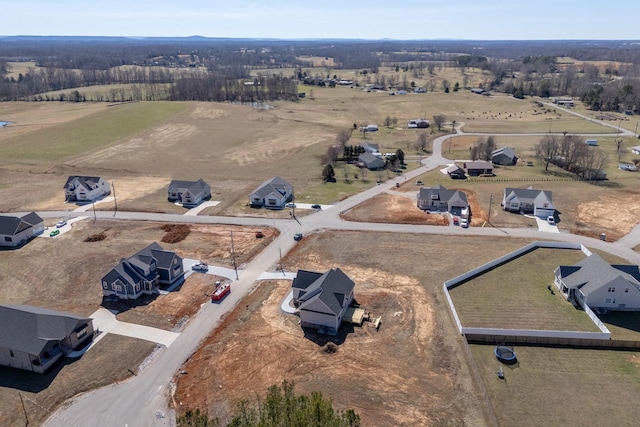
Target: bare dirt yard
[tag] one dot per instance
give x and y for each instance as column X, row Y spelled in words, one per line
column 410, row 372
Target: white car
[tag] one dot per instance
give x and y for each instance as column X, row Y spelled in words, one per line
column 200, row 266
column 61, row 223
column 551, row 220
column 464, row 223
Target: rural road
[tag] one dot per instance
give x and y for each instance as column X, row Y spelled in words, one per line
column 142, row 400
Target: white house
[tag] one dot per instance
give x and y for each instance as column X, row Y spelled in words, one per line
column 272, row 194
column 85, row 188
column 16, row 230
column 189, row 193
column 599, row 285
column 528, row 200
column 322, row 298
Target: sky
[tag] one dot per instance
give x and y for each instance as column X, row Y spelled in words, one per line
column 359, row 19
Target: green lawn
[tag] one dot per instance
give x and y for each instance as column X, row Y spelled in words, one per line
column 88, row 133
column 515, row 295
column 562, row 387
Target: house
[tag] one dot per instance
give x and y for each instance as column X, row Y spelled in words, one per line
column 34, row 338
column 274, row 193
column 591, row 142
column 636, row 149
column 16, row 230
column 322, row 298
column 420, row 90
column 371, row 162
column 370, row 147
column 505, row 156
column 439, row 199
column 189, row 193
column 85, row 188
column 142, row 273
column 528, row 201
column 455, row 172
column 478, row 167
column 417, row 123
column 595, row 283
column 477, row 90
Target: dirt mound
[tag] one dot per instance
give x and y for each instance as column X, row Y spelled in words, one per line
column 96, row 237
column 175, row 232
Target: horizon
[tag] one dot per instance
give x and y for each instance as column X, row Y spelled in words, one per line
column 286, row 20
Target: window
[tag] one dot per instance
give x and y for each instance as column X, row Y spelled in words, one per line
column 611, row 289
column 626, row 290
column 104, row 285
column 607, row 301
column 82, row 333
column 7, row 239
column 11, row 353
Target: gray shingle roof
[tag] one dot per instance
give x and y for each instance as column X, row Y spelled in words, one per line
column 12, row 225
column 193, row 186
column 593, row 272
column 526, row 195
column 27, row 328
column 330, row 288
column 275, row 184
column 87, row 181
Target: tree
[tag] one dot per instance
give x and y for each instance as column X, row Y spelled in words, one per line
column 328, row 174
column 343, row 137
column 456, row 87
column 332, row 154
column 439, row 120
column 547, row 150
column 400, row 155
column 445, row 85
column 421, row 142
column 387, row 121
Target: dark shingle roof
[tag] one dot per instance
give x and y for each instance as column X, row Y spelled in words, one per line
column 12, row 225
column 275, row 184
column 593, row 272
column 330, row 288
column 27, row 328
column 87, row 181
column 194, row 186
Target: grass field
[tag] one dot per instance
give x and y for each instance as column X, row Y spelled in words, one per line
column 515, row 295
column 556, row 386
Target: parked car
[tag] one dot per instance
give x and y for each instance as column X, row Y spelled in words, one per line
column 297, row 237
column 318, row 207
column 54, row 233
column 290, row 205
column 464, row 223
column 551, row 220
column 61, row 223
column 200, row 266
column 456, row 220
column 419, row 182
column 259, row 234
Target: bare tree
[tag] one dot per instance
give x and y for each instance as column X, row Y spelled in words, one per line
column 591, row 162
column 422, row 142
column 332, row 154
column 547, row 150
column 343, row 137
column 439, row 120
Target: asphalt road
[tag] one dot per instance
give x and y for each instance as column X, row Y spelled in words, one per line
column 143, row 399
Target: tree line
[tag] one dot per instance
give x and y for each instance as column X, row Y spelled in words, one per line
column 571, row 153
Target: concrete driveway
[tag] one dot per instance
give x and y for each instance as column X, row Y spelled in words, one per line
column 543, row 225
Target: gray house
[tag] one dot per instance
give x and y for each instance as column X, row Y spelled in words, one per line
column 34, row 338
column 505, row 156
column 455, row 172
column 595, row 283
column 85, row 188
column 272, row 194
column 528, row 201
column 371, row 161
column 322, row 298
column 189, row 193
column 142, row 273
column 16, row 230
column 478, row 167
column 370, row 147
column 439, row 199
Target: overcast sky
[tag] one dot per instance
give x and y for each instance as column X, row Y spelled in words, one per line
column 284, row 19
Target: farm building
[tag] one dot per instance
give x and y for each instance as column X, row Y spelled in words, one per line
column 85, row 188
column 322, row 298
column 505, row 156
column 371, row 161
column 417, row 123
column 439, row 199
column 34, row 338
column 601, row 286
column 274, row 193
column 528, row 201
column 591, row 142
column 17, row 230
column 189, row 193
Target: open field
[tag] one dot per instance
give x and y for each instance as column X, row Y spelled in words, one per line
column 515, row 295
column 536, row 391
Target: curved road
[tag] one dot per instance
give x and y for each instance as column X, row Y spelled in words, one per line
column 142, row 400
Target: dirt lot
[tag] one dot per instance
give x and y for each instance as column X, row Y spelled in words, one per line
column 257, row 345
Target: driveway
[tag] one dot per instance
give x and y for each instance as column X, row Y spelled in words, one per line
column 543, row 225
column 105, row 322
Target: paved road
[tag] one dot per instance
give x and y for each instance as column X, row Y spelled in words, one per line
column 142, row 400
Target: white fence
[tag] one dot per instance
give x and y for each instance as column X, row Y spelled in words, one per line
column 604, row 333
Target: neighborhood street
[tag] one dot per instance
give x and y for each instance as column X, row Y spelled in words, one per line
column 143, row 399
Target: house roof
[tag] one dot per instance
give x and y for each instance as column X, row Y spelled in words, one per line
column 275, row 184
column 438, row 192
column 193, row 186
column 369, row 146
column 454, row 169
column 162, row 256
column 87, row 181
column 330, row 288
column 593, row 272
column 505, row 151
column 528, row 195
column 28, row 329
column 370, row 160
column 479, row 164
column 12, row 225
